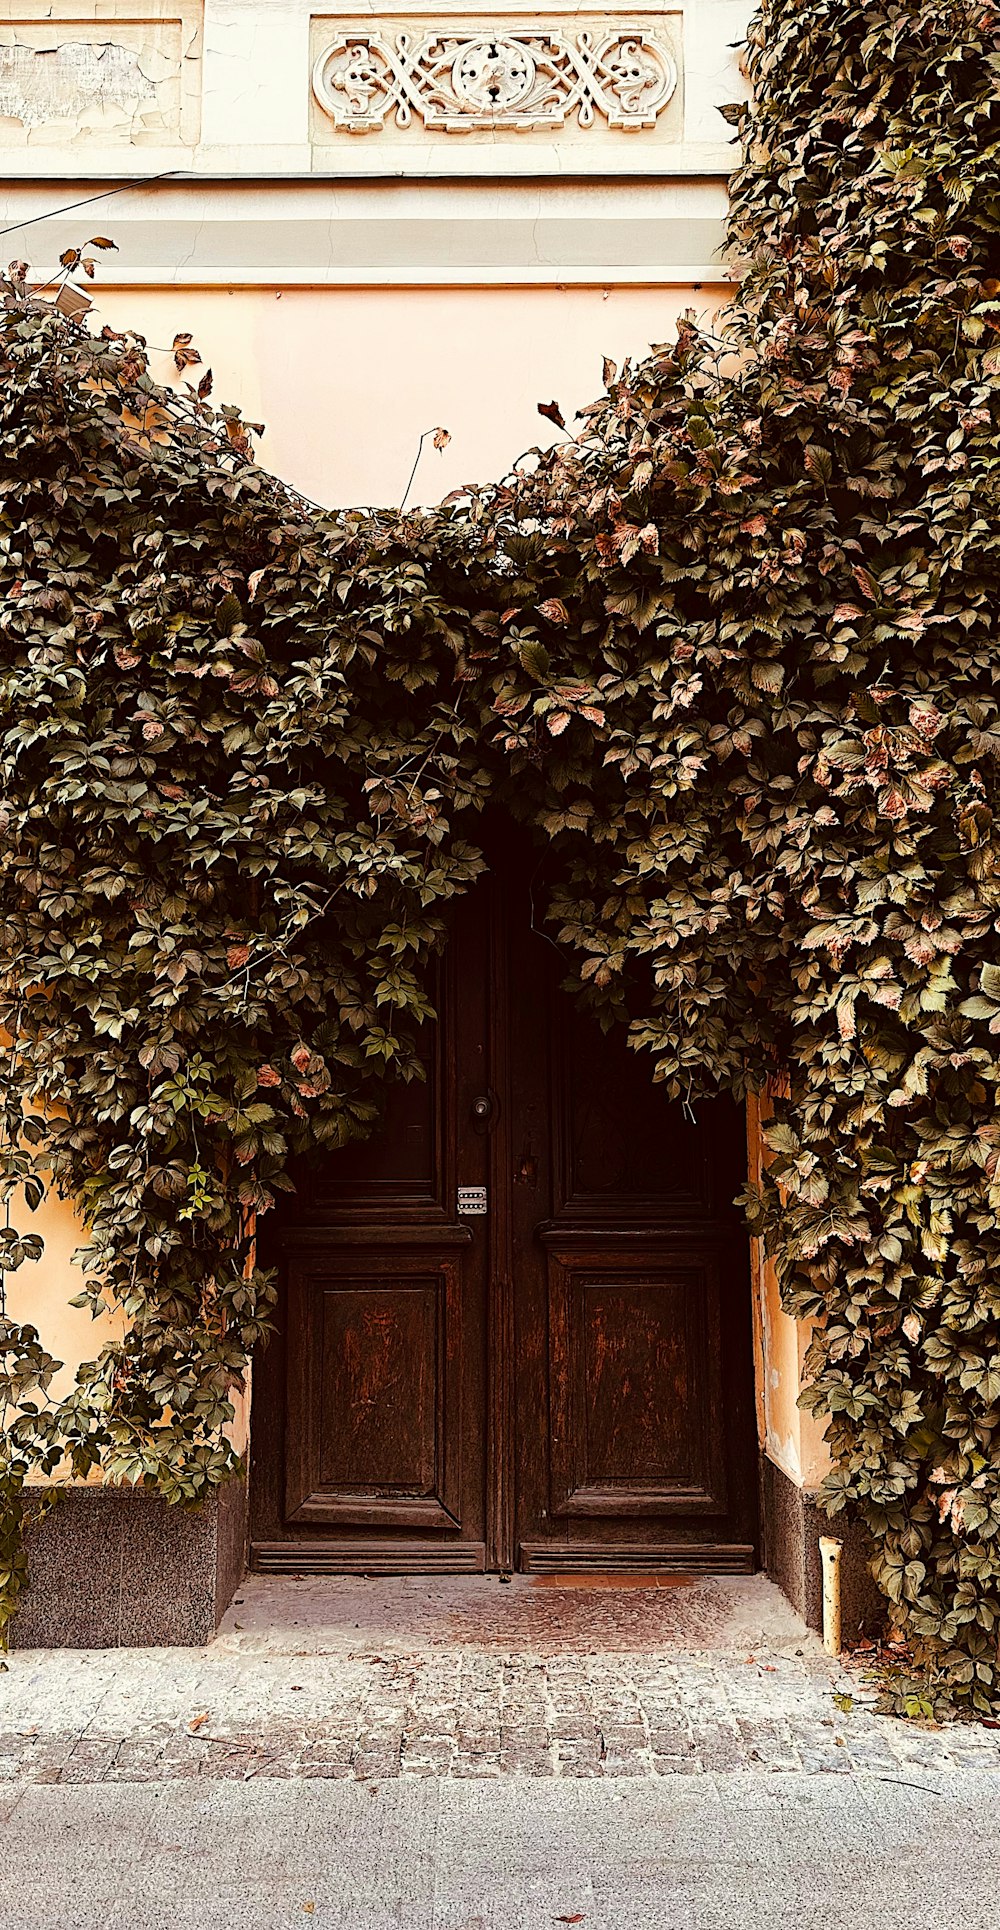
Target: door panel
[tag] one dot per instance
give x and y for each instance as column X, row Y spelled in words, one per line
column 515, row 1326
column 401, row 1169
column 368, row 1446
column 635, row 1428
column 622, row 1151
column 636, row 1424
column 375, row 1389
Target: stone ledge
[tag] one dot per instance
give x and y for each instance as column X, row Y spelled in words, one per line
column 117, row 1568
column 793, row 1523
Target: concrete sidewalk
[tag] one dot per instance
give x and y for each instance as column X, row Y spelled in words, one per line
column 461, row 1754
column 712, row 1853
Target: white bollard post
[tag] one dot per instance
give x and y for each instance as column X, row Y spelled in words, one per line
column 829, row 1550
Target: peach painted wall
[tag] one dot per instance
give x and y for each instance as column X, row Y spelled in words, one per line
column 347, row 379
column 39, row 1292
column 790, row 1437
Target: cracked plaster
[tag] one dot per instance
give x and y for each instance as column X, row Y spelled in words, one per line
column 99, row 82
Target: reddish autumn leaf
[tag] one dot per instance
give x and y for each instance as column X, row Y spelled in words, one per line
column 185, row 355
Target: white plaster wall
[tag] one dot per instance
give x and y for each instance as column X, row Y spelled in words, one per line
column 245, row 72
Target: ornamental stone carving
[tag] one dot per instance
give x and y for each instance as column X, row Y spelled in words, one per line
column 458, row 80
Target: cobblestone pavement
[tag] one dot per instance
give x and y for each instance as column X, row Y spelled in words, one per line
column 469, row 1678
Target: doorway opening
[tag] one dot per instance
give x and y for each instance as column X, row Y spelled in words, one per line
column 515, row 1326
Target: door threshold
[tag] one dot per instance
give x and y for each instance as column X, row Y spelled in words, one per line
column 618, row 1578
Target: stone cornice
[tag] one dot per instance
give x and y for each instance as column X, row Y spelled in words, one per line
column 437, row 233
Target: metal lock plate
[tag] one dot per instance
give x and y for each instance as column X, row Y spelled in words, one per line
column 471, row 1200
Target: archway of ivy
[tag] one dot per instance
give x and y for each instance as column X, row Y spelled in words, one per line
column 730, row 651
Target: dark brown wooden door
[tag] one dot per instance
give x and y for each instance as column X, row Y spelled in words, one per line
column 515, row 1327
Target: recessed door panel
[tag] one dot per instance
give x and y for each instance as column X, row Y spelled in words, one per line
column 398, row 1171
column 621, row 1145
column 380, row 1387
column 375, row 1391
column 635, row 1385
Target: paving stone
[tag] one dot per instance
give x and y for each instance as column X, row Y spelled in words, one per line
column 456, row 1678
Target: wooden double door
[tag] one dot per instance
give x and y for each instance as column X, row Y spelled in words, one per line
column 515, row 1326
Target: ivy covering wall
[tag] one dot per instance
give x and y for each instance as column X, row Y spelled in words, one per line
column 730, row 651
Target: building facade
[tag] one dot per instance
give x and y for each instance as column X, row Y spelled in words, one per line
column 525, row 1328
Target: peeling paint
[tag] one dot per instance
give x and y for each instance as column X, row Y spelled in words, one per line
column 71, row 82
column 100, row 82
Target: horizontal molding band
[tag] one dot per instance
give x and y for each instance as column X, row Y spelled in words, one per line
column 669, row 1238
column 701, row 1558
column 606, row 277
column 366, row 1558
column 407, row 163
column 369, row 1235
column 440, row 234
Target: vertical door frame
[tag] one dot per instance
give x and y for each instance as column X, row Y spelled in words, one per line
column 501, row 1552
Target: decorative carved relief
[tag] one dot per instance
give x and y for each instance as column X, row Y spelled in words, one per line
column 463, row 79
